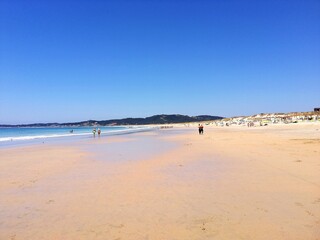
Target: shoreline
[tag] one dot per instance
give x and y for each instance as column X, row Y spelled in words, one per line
column 37, row 139
column 230, row 183
column 25, row 140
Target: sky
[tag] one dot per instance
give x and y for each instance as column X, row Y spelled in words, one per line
column 74, row 60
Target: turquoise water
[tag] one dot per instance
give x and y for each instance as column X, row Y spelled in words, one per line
column 24, row 134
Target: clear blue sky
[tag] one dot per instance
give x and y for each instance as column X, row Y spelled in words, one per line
column 77, row 60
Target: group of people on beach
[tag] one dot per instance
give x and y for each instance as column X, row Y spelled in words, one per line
column 250, row 124
column 200, row 127
column 94, row 131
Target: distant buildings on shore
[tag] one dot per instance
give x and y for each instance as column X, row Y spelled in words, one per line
column 271, row 118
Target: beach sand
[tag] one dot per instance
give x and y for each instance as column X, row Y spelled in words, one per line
column 230, row 183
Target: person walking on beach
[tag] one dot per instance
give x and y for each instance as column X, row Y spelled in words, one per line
column 200, row 129
column 94, row 132
column 99, row 132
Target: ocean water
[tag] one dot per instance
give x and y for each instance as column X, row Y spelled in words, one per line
column 31, row 133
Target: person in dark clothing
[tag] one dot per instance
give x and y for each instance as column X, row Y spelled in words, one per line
column 200, row 129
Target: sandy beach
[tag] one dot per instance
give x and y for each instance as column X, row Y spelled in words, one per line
column 230, row 183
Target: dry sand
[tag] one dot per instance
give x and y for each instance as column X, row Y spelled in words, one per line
column 230, row 183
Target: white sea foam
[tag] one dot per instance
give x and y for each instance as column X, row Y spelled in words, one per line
column 111, row 132
column 40, row 136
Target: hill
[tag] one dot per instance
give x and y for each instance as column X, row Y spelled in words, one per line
column 156, row 119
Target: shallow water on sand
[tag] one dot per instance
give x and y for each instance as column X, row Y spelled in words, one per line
column 128, row 148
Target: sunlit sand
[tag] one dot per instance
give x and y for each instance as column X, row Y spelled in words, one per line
column 230, row 183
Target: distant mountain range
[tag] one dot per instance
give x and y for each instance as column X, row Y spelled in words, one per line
column 156, row 119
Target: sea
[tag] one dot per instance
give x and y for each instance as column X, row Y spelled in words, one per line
column 12, row 135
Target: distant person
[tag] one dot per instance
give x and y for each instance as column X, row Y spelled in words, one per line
column 99, row 132
column 200, row 129
column 71, row 131
column 94, row 132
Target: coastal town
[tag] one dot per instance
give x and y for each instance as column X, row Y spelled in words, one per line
column 264, row 119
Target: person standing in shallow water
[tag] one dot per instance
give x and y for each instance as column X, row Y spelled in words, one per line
column 94, row 132
column 99, row 132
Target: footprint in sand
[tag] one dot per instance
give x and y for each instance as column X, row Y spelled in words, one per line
column 316, row 201
column 203, row 223
column 116, row 226
column 50, row 201
column 263, row 210
column 203, row 227
column 298, row 204
column 310, row 213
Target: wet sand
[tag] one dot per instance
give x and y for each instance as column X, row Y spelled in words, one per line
column 230, row 183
